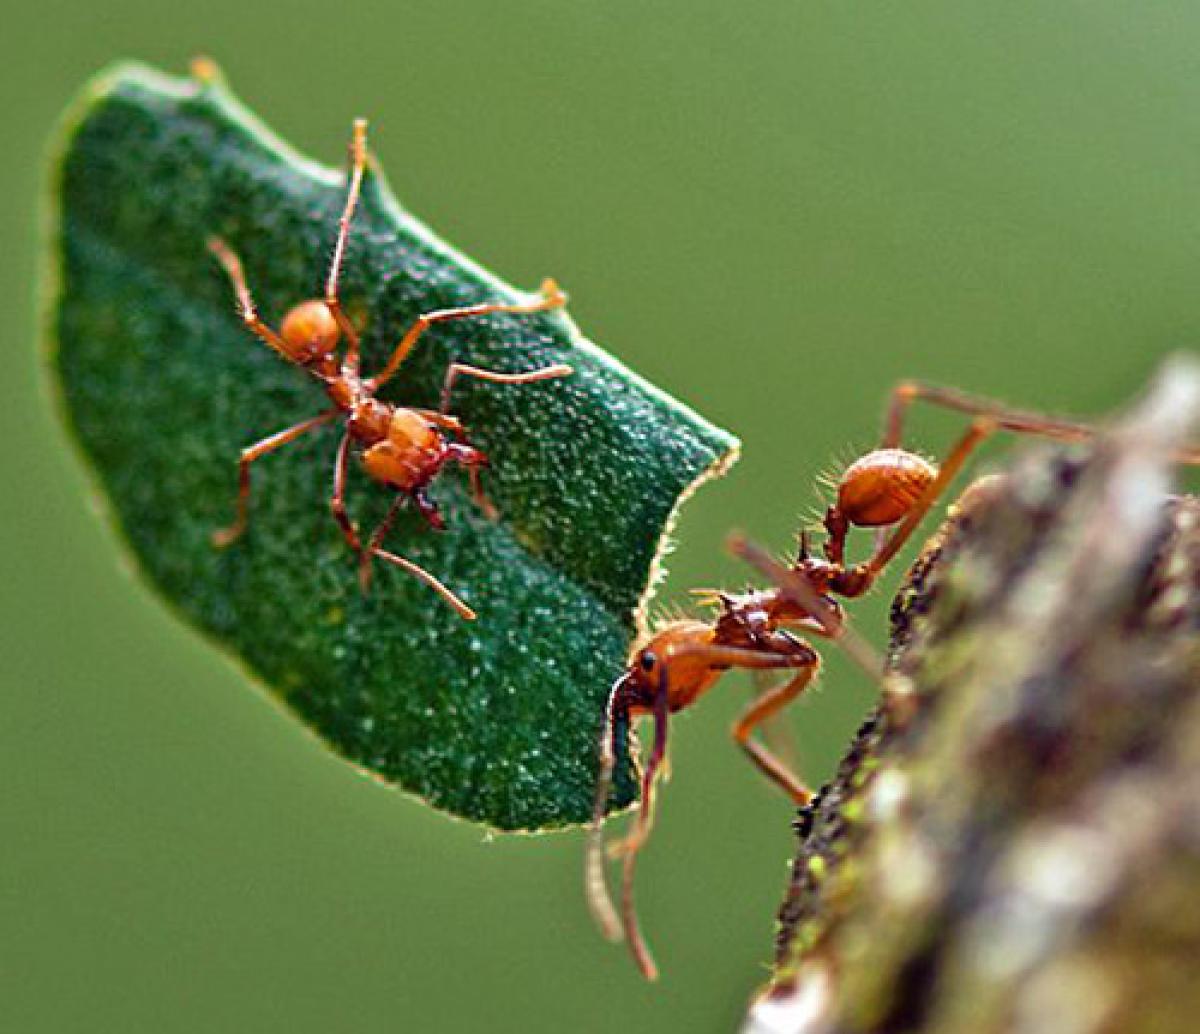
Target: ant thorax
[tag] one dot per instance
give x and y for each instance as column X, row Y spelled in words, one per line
column 743, row 617
column 369, row 419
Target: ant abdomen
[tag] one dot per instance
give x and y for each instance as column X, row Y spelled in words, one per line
column 881, row 487
column 309, row 332
column 408, row 455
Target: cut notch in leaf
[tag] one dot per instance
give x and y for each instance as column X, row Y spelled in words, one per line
column 494, row 720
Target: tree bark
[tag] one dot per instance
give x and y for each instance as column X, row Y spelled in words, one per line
column 1012, row 842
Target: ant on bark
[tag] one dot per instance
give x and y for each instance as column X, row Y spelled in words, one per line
column 889, row 487
column 400, row 447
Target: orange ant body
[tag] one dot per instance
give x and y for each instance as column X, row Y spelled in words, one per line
column 402, row 448
column 889, row 487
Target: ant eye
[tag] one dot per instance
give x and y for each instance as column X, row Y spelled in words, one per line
column 648, row 660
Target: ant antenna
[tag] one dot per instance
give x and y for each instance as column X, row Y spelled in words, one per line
column 616, row 717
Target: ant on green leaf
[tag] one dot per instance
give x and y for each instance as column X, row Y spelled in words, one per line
column 400, row 447
column 669, row 670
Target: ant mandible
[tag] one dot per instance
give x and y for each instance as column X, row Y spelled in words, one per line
column 889, row 487
column 400, row 447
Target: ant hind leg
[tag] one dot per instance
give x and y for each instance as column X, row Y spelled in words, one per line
column 418, row 572
column 1004, row 417
column 980, row 429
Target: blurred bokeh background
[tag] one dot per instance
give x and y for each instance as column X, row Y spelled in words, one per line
column 772, row 210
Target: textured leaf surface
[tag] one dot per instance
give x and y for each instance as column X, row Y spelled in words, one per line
column 494, row 720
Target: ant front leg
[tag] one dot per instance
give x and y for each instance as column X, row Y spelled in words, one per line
column 613, row 732
column 232, row 265
column 777, row 650
column 358, row 165
column 658, row 753
column 764, row 707
column 229, row 535
column 550, row 297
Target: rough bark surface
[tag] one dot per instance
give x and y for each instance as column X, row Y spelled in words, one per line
column 1012, row 842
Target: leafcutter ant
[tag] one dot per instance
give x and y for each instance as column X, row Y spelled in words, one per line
column 887, row 488
column 400, row 447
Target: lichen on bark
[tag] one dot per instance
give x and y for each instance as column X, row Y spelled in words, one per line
column 1012, row 842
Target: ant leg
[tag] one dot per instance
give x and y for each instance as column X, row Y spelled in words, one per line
column 764, row 707
column 246, row 307
column 418, row 572
column 546, row 373
column 778, row 735
column 1004, row 417
column 482, row 500
column 377, row 537
column 337, row 502
column 444, row 421
column 428, row 509
column 374, row 548
column 226, row 536
column 550, row 296
column 979, row 430
column 358, row 160
column 472, row 460
column 629, row 848
column 780, row 651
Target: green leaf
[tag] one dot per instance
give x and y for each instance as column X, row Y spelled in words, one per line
column 495, row 720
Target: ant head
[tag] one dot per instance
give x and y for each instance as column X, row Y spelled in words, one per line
column 639, row 683
column 673, row 662
column 309, row 332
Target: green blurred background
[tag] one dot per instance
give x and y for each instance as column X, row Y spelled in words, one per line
column 772, row 209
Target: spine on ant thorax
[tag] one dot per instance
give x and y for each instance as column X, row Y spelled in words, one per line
column 369, row 419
